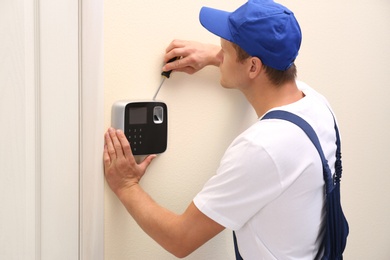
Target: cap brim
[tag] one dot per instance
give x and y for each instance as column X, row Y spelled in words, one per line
column 216, row 21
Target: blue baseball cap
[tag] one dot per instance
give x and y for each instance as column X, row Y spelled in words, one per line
column 262, row 28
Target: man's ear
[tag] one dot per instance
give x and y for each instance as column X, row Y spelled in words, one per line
column 256, row 67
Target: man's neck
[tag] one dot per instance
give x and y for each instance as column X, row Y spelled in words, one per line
column 265, row 96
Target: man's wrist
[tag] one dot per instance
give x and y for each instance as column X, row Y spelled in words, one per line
column 213, row 58
column 124, row 191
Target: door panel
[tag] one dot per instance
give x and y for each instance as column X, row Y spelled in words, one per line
column 51, row 89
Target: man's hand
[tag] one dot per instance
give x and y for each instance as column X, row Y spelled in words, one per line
column 194, row 56
column 120, row 168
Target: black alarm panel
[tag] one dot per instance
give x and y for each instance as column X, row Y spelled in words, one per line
column 145, row 125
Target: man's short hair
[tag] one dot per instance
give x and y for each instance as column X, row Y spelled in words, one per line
column 277, row 77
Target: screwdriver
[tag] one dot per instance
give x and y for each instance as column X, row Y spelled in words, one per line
column 165, row 75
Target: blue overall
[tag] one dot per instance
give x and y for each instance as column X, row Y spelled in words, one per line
column 337, row 228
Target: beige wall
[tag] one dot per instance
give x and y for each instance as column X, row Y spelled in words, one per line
column 345, row 55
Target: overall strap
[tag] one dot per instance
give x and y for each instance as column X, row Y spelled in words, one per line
column 338, row 167
column 236, row 251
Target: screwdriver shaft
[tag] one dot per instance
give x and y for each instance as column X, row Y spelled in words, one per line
column 159, row 87
column 164, row 74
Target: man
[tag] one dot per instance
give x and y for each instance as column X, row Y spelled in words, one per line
column 269, row 187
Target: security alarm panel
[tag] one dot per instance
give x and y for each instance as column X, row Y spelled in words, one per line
column 145, row 124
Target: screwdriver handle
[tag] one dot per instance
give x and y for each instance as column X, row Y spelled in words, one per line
column 167, row 74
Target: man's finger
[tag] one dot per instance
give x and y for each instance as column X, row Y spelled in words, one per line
column 116, row 144
column 106, row 156
column 125, row 144
column 146, row 162
column 110, row 147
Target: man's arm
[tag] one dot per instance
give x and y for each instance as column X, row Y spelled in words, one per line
column 178, row 234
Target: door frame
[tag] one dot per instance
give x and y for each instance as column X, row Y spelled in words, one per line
column 64, row 71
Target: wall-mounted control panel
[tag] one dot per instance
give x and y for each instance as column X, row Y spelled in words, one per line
column 145, row 124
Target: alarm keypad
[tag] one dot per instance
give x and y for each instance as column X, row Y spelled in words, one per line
column 135, row 136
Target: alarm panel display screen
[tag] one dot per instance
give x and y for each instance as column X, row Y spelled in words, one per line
column 138, row 115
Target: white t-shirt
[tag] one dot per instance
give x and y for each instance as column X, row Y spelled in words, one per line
column 269, row 187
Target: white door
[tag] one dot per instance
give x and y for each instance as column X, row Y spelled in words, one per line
column 51, row 115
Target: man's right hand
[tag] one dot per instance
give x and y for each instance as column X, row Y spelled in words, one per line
column 194, row 56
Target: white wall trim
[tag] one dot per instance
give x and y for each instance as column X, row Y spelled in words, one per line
column 32, row 129
column 40, row 178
